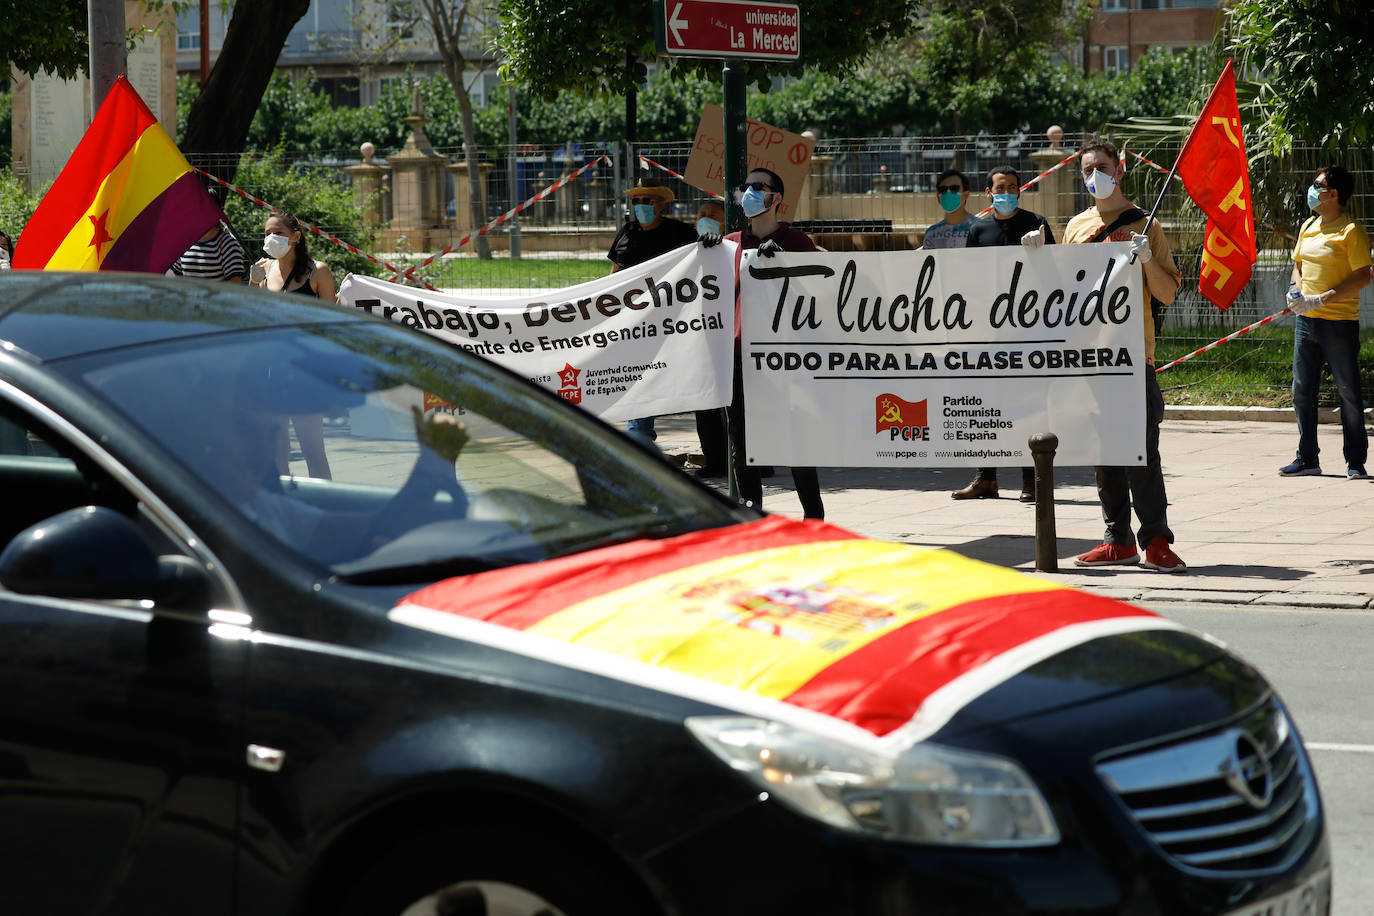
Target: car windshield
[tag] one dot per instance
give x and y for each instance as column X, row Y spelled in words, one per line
column 390, row 458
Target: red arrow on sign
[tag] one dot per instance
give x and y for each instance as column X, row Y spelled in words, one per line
column 731, row 28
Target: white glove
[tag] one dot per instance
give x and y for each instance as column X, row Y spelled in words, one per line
column 1300, row 305
column 1035, row 238
column 1140, row 247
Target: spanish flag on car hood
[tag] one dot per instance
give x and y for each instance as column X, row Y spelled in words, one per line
column 791, row 621
column 126, row 200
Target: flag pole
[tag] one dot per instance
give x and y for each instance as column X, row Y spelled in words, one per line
column 1191, row 133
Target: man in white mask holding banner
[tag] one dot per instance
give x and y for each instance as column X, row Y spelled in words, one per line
column 1116, row 219
column 759, row 197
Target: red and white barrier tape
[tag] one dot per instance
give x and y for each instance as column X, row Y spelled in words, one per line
column 507, row 215
column 395, row 271
column 1229, row 337
column 647, row 161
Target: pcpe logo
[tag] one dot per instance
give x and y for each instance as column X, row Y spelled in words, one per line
column 905, row 420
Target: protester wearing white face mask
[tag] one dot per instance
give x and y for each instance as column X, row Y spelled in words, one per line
column 289, row 268
column 1010, row 225
column 1115, row 219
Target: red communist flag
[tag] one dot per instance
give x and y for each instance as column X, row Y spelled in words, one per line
column 126, row 199
column 1216, row 173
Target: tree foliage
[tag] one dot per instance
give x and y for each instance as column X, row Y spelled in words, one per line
column 316, row 196
column 1317, row 58
column 603, row 45
column 45, row 35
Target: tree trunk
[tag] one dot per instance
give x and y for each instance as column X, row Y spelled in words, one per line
column 217, row 126
column 476, row 214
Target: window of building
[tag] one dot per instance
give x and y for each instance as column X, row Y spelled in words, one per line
column 188, row 41
column 1116, row 59
column 1115, row 6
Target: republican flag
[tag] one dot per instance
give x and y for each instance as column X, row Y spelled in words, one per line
column 1216, row 174
column 126, row 200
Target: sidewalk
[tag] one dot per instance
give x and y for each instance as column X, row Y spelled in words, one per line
column 1248, row 535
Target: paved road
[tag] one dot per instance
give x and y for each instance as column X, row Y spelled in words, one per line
column 1322, row 662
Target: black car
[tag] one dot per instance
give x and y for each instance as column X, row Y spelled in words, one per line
column 229, row 686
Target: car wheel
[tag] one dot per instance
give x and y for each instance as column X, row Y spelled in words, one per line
column 480, row 871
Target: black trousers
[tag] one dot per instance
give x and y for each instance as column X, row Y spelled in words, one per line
column 714, row 445
column 747, row 478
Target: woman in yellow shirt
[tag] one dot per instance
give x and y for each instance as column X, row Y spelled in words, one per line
column 1331, row 265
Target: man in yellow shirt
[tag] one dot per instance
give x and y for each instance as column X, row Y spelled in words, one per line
column 1116, row 219
column 1330, row 266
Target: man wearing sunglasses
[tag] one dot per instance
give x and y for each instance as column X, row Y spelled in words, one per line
column 759, row 197
column 951, row 232
column 643, row 237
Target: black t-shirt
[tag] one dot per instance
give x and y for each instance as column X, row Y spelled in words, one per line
column 634, row 245
column 988, row 232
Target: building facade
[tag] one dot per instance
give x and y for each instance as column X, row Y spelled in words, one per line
column 1121, row 31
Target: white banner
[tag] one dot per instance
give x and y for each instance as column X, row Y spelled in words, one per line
column 944, row 358
column 649, row 340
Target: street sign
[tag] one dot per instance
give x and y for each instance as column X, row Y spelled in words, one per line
column 728, row 28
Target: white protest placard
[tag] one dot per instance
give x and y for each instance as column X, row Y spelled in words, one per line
column 944, row 358
column 645, row 341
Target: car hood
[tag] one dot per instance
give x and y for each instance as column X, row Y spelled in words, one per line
column 869, row 641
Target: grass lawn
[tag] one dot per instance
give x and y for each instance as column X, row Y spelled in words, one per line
column 1254, row 370
column 515, row 273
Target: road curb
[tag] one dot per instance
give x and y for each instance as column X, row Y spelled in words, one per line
column 1252, row 414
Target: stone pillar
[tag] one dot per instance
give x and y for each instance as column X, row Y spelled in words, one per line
column 462, row 194
column 417, row 185
column 809, row 207
column 1057, row 199
column 367, row 186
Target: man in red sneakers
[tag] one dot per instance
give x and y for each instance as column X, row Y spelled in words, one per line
column 1114, row 218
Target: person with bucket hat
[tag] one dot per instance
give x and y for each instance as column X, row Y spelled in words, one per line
column 643, row 237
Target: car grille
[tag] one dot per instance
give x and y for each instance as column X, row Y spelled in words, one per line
column 1237, row 800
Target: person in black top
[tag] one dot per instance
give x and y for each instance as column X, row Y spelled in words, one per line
column 644, row 237
column 1009, row 225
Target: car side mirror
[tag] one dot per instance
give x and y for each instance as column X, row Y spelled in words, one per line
column 96, row 553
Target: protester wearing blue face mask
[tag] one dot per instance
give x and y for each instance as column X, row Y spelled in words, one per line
column 1009, row 224
column 952, row 188
column 645, row 236
column 1331, row 264
column 761, row 197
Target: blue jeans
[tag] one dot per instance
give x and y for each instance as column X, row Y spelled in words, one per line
column 1336, row 343
column 643, row 428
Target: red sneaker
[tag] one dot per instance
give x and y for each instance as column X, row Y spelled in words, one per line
column 1161, row 557
column 1109, row 555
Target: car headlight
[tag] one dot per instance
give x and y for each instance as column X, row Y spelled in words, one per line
column 926, row 794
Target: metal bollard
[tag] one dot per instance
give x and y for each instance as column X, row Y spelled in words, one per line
column 1043, row 446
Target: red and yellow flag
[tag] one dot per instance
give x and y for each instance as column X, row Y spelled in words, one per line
column 778, row 615
column 1216, row 174
column 126, row 199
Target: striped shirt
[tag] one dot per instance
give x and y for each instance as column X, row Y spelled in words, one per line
column 221, row 258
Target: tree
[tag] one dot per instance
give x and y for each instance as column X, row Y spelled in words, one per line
column 223, row 110
column 1317, row 58
column 52, row 35
column 45, row 35
column 975, row 53
column 452, row 23
column 603, row 45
